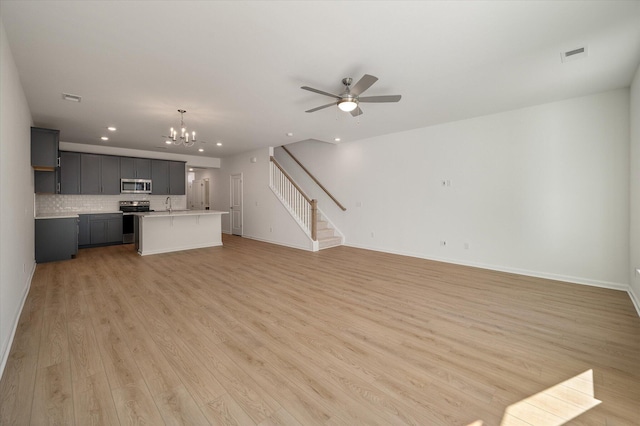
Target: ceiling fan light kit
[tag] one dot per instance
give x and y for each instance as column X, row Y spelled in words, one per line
column 347, row 105
column 350, row 99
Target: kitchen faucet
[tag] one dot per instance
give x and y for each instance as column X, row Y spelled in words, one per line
column 168, row 201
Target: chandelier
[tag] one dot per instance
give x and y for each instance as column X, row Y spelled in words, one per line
column 183, row 138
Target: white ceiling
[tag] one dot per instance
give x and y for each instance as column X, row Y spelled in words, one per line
column 237, row 66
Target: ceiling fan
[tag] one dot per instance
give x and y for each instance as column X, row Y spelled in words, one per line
column 350, row 98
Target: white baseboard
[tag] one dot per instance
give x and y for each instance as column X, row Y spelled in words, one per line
column 279, row 243
column 537, row 274
column 16, row 320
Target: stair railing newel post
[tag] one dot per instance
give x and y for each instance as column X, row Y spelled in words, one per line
column 314, row 220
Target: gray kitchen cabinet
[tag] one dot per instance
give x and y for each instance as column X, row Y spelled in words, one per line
column 69, row 172
column 56, row 239
column 135, row 168
column 44, row 148
column 99, row 174
column 45, row 182
column 100, row 229
column 177, row 178
column 160, row 177
column 84, row 233
column 110, row 174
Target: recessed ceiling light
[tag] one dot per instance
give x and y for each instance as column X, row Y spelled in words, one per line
column 200, row 149
column 71, row 98
column 337, row 139
column 190, row 169
column 167, row 142
column 289, row 134
column 111, row 129
column 104, row 138
column 219, row 144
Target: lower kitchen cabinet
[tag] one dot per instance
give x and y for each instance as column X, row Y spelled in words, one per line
column 56, row 239
column 100, row 229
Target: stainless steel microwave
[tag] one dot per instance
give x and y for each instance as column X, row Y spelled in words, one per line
column 135, row 186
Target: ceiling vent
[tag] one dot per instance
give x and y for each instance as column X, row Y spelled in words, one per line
column 71, row 98
column 574, row 54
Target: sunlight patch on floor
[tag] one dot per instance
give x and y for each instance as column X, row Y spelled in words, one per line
column 553, row 406
column 556, row 405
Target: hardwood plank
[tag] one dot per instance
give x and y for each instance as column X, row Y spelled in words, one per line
column 53, row 398
column 93, row 402
column 135, row 405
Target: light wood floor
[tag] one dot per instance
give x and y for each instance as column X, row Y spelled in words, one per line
column 252, row 333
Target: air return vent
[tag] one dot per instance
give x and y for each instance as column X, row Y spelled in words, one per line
column 71, row 98
column 574, row 54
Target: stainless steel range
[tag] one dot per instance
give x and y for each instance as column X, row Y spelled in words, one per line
column 128, row 208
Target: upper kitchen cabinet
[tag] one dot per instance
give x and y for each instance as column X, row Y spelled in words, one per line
column 44, row 149
column 168, row 177
column 135, row 168
column 69, row 172
column 177, row 178
column 99, row 174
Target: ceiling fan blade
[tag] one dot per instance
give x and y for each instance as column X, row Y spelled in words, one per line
column 311, row 89
column 321, row 107
column 388, row 98
column 356, row 112
column 363, row 84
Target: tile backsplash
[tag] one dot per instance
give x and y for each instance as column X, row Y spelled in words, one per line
column 59, row 203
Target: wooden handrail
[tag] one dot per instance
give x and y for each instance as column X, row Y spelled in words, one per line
column 312, row 177
column 306, row 197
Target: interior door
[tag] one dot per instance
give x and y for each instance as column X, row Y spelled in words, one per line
column 236, row 204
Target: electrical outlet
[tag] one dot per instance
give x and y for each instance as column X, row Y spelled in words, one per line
column 372, row 235
column 271, row 229
column 466, row 246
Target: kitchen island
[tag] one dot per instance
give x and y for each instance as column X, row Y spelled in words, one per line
column 167, row 231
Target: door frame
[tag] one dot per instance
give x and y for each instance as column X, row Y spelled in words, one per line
column 231, row 178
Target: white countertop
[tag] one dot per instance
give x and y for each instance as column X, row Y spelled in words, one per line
column 175, row 213
column 62, row 215
column 65, row 215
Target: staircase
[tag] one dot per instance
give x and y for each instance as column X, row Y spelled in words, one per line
column 303, row 209
column 327, row 237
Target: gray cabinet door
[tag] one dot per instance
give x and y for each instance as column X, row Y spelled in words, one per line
column 160, row 177
column 110, row 174
column 45, row 182
column 127, row 168
column 84, row 234
column 143, row 168
column 114, row 229
column 56, row 239
column 44, row 147
column 135, row 168
column 176, row 178
column 99, row 174
column 97, row 231
column 69, row 173
column 90, row 174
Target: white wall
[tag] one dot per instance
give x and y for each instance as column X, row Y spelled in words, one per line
column 265, row 218
column 541, row 191
column 16, row 198
column 634, row 195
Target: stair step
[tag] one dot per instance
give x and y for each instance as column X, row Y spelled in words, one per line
column 329, row 242
column 325, row 233
column 322, row 224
